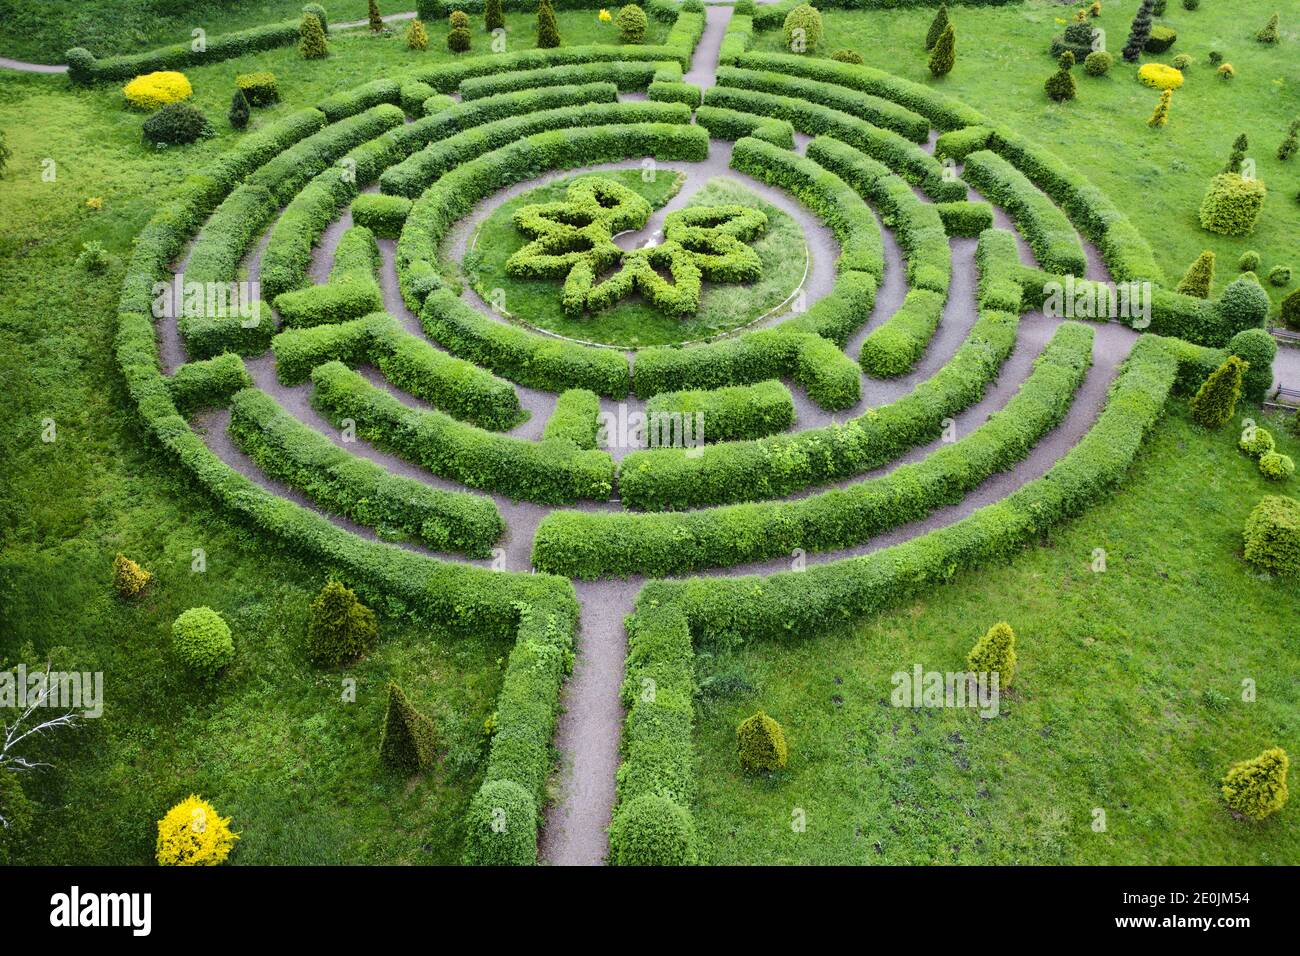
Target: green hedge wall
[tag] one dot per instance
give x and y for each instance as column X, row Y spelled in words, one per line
column 734, row 412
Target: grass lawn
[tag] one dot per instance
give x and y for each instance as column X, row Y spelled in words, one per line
column 1127, row 697
column 272, row 745
column 633, row 322
column 1157, row 176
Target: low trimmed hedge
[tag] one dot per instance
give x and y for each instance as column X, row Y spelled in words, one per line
column 731, row 124
column 459, row 388
column 896, row 345
column 882, row 113
column 668, row 92
column 965, row 219
column 1051, row 235
column 330, row 303
column 533, row 360
column 209, row 383
column 288, row 451
column 957, row 144
column 576, row 418
column 738, row 38
column 627, row 75
column 731, row 413
column 599, row 544
column 547, row 472
column 901, row 156
column 382, row 215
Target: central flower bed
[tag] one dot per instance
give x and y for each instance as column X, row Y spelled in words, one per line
column 581, row 257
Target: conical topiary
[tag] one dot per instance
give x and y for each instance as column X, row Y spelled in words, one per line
column 311, row 38
column 1238, row 154
column 376, row 21
column 548, row 33
column 417, row 37
column 995, row 653
column 1292, row 142
column 1268, row 32
column 1257, row 787
column 944, row 54
column 407, row 741
column 493, row 16
column 1200, row 277
column 1060, row 85
column 937, row 26
column 760, row 742
column 1139, row 32
column 340, row 628
column 239, row 110
column 1215, row 401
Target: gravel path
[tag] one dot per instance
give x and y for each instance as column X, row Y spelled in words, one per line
column 589, row 730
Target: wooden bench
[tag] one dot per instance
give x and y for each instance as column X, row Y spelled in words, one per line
column 1285, row 335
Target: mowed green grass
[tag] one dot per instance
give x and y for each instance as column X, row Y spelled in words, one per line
column 634, row 322
column 272, row 744
column 1157, row 176
column 1127, row 698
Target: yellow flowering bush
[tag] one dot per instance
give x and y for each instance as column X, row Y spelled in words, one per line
column 155, row 90
column 1226, row 71
column 604, row 16
column 1160, row 76
column 95, row 202
column 129, row 578
column 192, row 834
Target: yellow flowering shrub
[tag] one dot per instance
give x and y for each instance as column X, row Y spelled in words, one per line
column 128, row 577
column 155, row 90
column 604, row 16
column 1160, row 76
column 95, row 202
column 1226, row 71
column 192, row 834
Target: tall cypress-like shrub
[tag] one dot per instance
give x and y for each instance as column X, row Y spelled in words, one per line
column 239, row 111
column 548, row 32
column 1215, row 401
column 376, row 21
column 1200, row 276
column 937, row 26
column 944, row 54
column 493, row 16
column 1238, row 155
column 1292, row 142
column 311, row 38
column 407, row 742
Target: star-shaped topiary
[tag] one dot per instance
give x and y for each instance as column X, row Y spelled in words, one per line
column 574, row 239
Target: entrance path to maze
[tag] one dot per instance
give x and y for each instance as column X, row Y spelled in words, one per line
column 344, row 385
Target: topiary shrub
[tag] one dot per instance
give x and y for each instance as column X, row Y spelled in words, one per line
column 1215, row 57
column 1215, row 401
column 1243, row 305
column 944, row 55
column 1140, row 31
column 1182, row 62
column 1248, row 262
column 1160, row 115
column 652, row 831
column 1098, row 63
column 1225, row 71
column 848, row 56
column 155, row 90
column 1280, row 276
column 501, row 826
column 760, row 742
column 458, row 20
column 632, row 24
column 1257, row 348
column 1256, row 788
column 318, row 11
column 803, row 29
column 1191, row 4
column 1161, row 39
column 1159, row 76
column 1291, row 144
column 494, row 17
column 260, row 88
column 129, row 579
column 1199, row 278
column 1255, row 441
column 937, row 26
column 1268, row 32
column 373, row 15
column 458, row 40
column 1060, row 85
column 1272, row 535
column 176, row 125
column 239, row 112
column 548, row 33
column 1232, row 205
column 192, row 833
column 16, row 810
column 1290, row 314
column 311, row 38
column 340, row 628
column 1275, row 466
column 407, row 740
column 995, row 653
column 201, row 639
column 417, row 37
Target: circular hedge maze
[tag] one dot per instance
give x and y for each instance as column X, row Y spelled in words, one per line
column 913, row 405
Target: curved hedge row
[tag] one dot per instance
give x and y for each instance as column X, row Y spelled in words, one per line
column 627, row 75
column 548, row 472
column 884, row 114
column 671, row 616
column 575, row 418
column 590, row 545
column 731, row 413
column 397, row 507
column 456, row 193
column 1051, row 235
column 209, row 383
column 898, row 343
column 733, row 124
column 906, row 158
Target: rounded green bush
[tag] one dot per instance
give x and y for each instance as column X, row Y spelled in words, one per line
column 1258, row 348
column 201, row 639
column 1243, row 305
column 806, row 19
column 1249, row 261
column 1280, row 276
column 176, row 124
column 632, row 24
column 501, row 826
column 848, row 56
column 1276, row 467
column 1182, row 62
column 1272, row 535
column 458, row 40
column 652, row 831
column 1098, row 63
column 1256, row 441
column 1256, row 788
